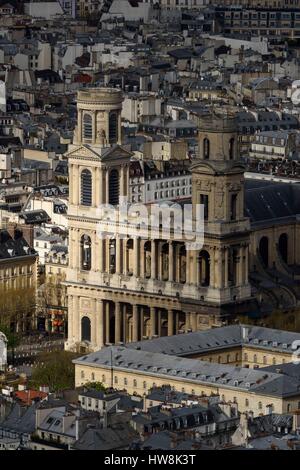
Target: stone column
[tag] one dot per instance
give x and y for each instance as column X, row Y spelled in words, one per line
column 188, row 265
column 117, row 322
column 106, row 186
column 76, row 319
column 107, row 255
column 76, row 185
column 171, row 262
column 195, row 268
column 240, row 266
column 107, row 325
column 246, row 264
column 119, row 129
column 71, row 178
column 101, row 254
column 152, row 321
column 94, row 323
column 153, row 259
column 96, row 189
column 142, row 322
column 176, row 322
column 135, row 321
column 125, row 256
column 122, row 182
column 187, row 321
column 79, row 126
column 136, row 242
column 170, row 323
column 226, row 268
column 212, row 281
column 100, row 323
column 142, row 262
column 70, row 318
column 194, row 321
column 177, row 263
column 94, row 128
column 159, row 322
column 118, row 255
column 124, row 322
column 94, row 249
column 159, row 260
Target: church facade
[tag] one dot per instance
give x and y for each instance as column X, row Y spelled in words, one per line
column 127, row 283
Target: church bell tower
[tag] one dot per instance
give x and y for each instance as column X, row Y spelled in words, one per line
column 218, row 184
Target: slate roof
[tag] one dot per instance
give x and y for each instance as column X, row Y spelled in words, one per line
column 166, row 366
column 219, row 338
column 118, row 436
column 20, row 420
column 166, row 440
column 37, row 216
column 53, row 422
column 272, row 202
column 12, row 248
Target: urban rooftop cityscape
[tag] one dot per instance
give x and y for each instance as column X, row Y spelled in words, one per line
column 150, row 228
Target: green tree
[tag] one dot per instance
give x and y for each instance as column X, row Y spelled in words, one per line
column 55, row 370
column 98, row 386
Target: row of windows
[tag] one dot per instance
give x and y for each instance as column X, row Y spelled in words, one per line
column 16, row 271
column 183, row 390
column 172, row 193
column 265, row 359
column 167, row 184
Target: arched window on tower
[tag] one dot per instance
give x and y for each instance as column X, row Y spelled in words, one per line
column 283, row 246
column 86, row 188
column 264, row 251
column 112, row 256
column 204, row 268
column 85, row 329
column 206, row 148
column 87, row 126
column 86, row 253
column 231, row 148
column 182, row 264
column 113, row 127
column 233, row 205
column 114, row 187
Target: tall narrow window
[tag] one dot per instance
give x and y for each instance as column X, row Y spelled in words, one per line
column 112, row 256
column 231, row 148
column 233, row 205
column 87, row 126
column 86, row 188
column 86, row 256
column 206, row 150
column 114, row 187
column 204, row 201
column 113, row 127
column 85, row 329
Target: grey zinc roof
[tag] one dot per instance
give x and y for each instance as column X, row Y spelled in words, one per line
column 219, row 338
column 20, row 420
column 119, row 436
column 198, row 372
column 53, row 422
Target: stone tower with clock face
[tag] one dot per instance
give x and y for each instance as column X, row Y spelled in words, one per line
column 218, row 184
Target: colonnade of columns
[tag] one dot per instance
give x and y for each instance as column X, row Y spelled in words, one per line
column 216, row 267
column 115, row 322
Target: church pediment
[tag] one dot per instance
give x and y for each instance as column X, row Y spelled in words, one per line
column 85, row 152
column 116, row 153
